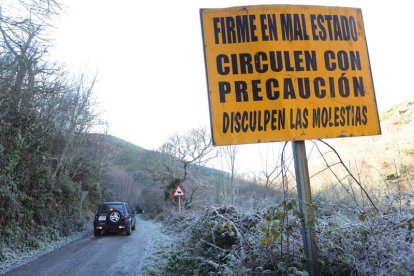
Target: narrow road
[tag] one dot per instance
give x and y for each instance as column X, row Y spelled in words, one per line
column 109, row 254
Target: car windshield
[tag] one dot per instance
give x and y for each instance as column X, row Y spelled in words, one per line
column 110, row 207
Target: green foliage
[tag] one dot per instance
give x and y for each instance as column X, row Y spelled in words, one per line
column 182, row 263
column 2, row 255
column 8, row 199
column 278, row 222
column 170, row 187
column 44, row 115
column 223, row 234
column 391, row 177
column 95, row 194
column 70, row 196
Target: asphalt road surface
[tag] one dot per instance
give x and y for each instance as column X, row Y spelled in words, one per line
column 109, row 254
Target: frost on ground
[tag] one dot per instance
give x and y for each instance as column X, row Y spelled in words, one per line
column 15, row 258
column 164, row 241
column 227, row 241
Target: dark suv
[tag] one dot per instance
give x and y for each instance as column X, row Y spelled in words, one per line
column 114, row 217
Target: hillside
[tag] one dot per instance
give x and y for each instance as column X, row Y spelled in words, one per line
column 390, row 153
column 376, row 160
column 143, row 177
column 384, row 164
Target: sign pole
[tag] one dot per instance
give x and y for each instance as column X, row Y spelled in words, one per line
column 179, row 204
column 305, row 208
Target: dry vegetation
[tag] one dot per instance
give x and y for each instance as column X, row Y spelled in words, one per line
column 230, row 241
column 363, row 197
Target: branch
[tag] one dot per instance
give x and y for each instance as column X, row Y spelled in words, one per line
column 349, row 172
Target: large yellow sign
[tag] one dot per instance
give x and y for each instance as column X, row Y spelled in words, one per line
column 283, row 72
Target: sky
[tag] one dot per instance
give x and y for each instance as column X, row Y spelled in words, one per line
column 148, row 56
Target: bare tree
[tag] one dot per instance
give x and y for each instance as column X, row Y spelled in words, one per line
column 349, row 176
column 193, row 149
column 274, row 169
column 77, row 119
column 230, row 153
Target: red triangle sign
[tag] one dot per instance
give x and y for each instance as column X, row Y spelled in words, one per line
column 179, row 191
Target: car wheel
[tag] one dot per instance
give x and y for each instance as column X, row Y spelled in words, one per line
column 96, row 233
column 128, row 230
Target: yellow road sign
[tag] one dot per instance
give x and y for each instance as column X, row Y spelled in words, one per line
column 285, row 72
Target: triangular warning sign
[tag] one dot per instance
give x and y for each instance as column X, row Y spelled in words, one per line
column 179, row 191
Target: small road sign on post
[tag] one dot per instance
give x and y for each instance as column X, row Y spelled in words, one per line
column 179, row 192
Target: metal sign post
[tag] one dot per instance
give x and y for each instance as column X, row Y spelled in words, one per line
column 305, row 208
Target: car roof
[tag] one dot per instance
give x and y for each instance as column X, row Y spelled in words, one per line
column 114, row 202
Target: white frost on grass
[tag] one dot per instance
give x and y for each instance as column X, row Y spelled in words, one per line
column 157, row 251
column 15, row 259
